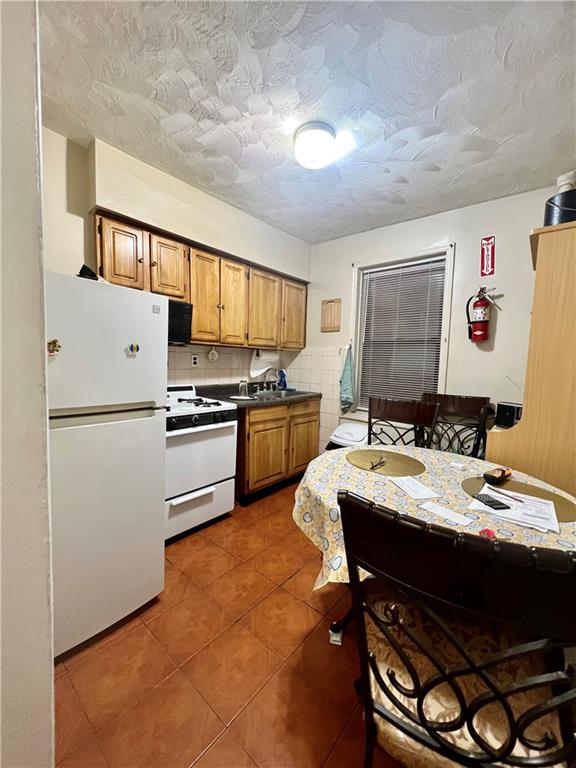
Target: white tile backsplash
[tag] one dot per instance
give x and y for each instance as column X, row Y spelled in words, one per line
column 231, row 366
column 319, row 369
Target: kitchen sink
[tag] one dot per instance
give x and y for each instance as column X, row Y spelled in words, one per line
column 279, row 395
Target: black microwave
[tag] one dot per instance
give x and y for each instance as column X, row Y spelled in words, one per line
column 179, row 322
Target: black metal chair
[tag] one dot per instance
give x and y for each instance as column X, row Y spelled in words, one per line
column 393, row 422
column 401, row 422
column 463, row 643
column 461, row 425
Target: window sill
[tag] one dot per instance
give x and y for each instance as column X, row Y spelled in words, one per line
column 359, row 415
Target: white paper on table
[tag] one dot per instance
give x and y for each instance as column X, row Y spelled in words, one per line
column 529, row 511
column 445, row 513
column 414, row 488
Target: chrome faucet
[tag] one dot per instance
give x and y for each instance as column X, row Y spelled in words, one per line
column 274, row 382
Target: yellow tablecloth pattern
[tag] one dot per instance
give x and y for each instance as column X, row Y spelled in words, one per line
column 316, row 509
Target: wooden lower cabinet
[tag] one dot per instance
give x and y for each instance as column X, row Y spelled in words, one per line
column 304, row 432
column 268, row 448
column 274, row 443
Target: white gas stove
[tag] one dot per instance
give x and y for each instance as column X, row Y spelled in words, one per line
column 200, row 459
column 185, row 409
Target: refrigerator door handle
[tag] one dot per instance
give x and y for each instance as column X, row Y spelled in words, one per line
column 191, row 496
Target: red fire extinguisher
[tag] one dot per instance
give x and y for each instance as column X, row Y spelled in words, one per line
column 480, row 319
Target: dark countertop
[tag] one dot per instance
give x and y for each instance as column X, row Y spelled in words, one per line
column 224, row 391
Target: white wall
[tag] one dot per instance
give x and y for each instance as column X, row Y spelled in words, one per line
column 26, row 665
column 129, row 186
column 67, row 199
column 495, row 368
column 76, row 179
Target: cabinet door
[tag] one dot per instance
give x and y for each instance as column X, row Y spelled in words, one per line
column 205, row 292
column 234, row 302
column 123, row 260
column 169, row 267
column 304, row 437
column 293, row 335
column 263, row 309
column 267, row 450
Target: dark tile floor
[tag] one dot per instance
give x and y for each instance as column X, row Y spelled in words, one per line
column 230, row 667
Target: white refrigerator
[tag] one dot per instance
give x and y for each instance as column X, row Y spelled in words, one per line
column 107, row 369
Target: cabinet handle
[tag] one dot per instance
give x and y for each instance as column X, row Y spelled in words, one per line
column 222, row 306
column 140, row 260
column 153, row 263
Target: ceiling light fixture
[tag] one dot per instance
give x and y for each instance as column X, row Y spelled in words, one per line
column 316, row 145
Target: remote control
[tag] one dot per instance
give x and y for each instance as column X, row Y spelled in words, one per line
column 491, row 502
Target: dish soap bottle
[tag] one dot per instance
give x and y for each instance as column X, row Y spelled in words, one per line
column 282, row 379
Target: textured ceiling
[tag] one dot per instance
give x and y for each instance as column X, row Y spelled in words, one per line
column 451, row 103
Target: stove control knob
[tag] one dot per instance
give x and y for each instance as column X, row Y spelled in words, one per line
column 195, row 420
column 171, row 422
column 217, row 417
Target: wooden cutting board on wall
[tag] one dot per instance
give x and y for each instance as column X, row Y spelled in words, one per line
column 330, row 315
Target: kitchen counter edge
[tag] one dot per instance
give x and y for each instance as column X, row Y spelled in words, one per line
column 263, row 402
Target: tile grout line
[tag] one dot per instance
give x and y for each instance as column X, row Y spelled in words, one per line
column 144, row 623
column 273, row 539
column 93, row 731
column 346, row 724
column 93, row 651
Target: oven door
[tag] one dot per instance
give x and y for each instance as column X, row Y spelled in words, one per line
column 199, row 457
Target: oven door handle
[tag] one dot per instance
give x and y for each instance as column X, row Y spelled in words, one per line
column 191, row 496
column 204, row 428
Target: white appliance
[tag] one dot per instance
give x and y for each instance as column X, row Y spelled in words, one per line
column 107, row 366
column 200, row 459
column 349, row 433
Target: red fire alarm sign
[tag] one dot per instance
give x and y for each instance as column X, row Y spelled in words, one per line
column 488, row 255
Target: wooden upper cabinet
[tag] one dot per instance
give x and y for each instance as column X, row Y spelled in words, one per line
column 169, row 268
column 293, row 324
column 264, row 309
column 123, row 257
column 233, row 302
column 205, row 296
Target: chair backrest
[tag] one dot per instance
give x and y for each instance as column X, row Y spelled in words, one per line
column 461, row 426
column 404, row 422
column 453, row 577
column 466, row 406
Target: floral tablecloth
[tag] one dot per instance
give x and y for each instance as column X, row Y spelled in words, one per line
column 316, row 509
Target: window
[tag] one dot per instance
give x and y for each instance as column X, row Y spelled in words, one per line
column 400, row 329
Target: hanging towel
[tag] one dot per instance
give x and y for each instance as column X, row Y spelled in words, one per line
column 347, row 383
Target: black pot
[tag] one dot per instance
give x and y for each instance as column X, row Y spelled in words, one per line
column 561, row 208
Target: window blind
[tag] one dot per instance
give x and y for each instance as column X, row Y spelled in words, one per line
column 401, row 330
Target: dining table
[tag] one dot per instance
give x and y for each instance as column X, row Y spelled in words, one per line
column 455, row 478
